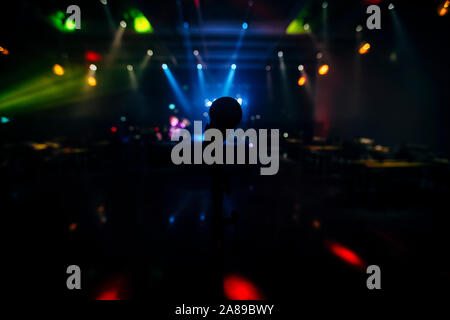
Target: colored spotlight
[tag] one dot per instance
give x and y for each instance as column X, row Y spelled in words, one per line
column 93, row 67
column 69, row 25
column 164, row 66
column 171, row 106
column 363, row 49
column 196, row 53
column 199, row 66
column 104, row 2
column 324, row 4
column 301, row 81
column 443, row 11
column 58, row 70
column 323, row 69
column 239, row 100
column 245, row 25
column 142, row 25
column 4, row 120
column 233, row 66
column 237, row 287
column 92, row 81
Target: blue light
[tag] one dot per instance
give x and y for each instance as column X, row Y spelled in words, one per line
column 245, row 25
column 199, row 66
column 202, row 217
column 171, row 106
column 164, row 66
column 176, row 88
column 4, row 120
column 233, row 66
column 186, row 25
column 208, row 103
column 172, row 219
column 229, row 81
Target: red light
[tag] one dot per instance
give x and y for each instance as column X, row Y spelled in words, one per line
column 92, row 56
column 345, row 254
column 237, row 287
column 111, row 294
column 156, row 129
column 113, row 129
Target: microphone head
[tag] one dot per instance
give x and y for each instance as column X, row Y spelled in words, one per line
column 225, row 113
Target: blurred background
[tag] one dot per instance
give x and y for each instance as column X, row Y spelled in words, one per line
column 86, row 120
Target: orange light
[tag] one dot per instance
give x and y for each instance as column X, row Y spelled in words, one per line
column 364, row 48
column 5, row 51
column 92, row 81
column 72, row 226
column 443, row 11
column 58, row 70
column 301, row 81
column 323, row 69
column 1, row 49
column 446, row 4
column 316, row 224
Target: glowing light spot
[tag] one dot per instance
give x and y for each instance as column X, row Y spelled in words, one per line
column 443, row 11
column 301, row 81
column 129, row 67
column 280, row 54
column 93, row 67
column 391, row 6
column 237, row 287
column 150, row 52
column 123, row 24
column 319, row 55
column 104, row 2
column 164, row 66
column 324, row 4
column 285, row 135
column 202, row 217
column 92, row 81
column 345, row 254
column 58, row 70
column 364, row 48
column 323, row 69
column 359, row 28
column 233, row 66
column 4, row 120
column 173, row 121
column 196, row 53
column 171, row 106
column 245, row 25
column 113, row 129
column 316, row 224
column 73, row 226
column 306, row 27
column 123, row 118
column 92, row 56
column 268, row 68
column 70, row 25
column 142, row 25
column 300, row 67
column 199, row 66
column 172, row 219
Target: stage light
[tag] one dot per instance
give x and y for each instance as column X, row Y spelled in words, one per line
column 123, row 24
column 237, row 287
column 363, row 49
column 199, row 66
column 245, row 25
column 268, row 68
column 391, row 6
column 324, row 4
column 285, row 135
column 186, row 25
column 359, row 28
column 173, row 121
column 123, row 118
column 150, row 52
column 164, row 66
column 443, row 11
column 92, row 81
column 104, row 2
column 4, row 120
column 93, row 67
column 233, row 66
column 202, row 217
column 323, row 69
column 280, row 54
column 142, row 25
column 195, row 52
column 113, row 129
column 300, row 67
column 306, row 26
column 319, row 55
column 129, row 67
column 70, row 25
column 301, row 81
column 92, row 56
column 208, row 103
column 58, row 70
column 171, row 106
column 239, row 100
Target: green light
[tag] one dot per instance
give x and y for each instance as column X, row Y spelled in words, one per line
column 142, row 25
column 69, row 25
column 171, row 106
column 297, row 25
column 58, row 21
